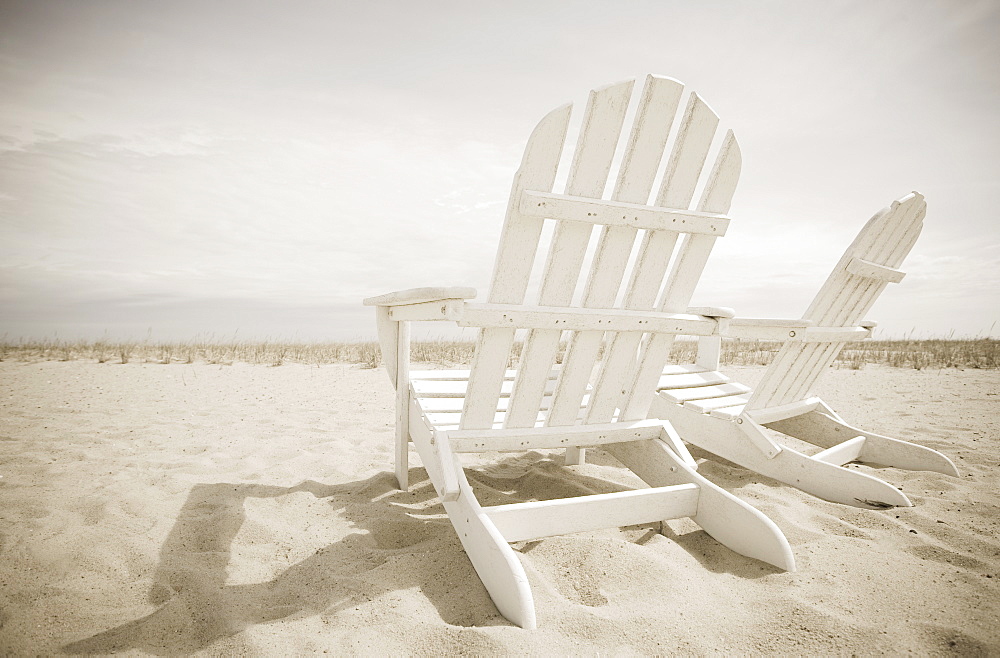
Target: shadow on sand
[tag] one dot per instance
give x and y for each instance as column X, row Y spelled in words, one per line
column 407, row 529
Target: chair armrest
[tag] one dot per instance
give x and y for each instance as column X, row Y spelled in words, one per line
column 712, row 311
column 795, row 330
column 420, row 295
column 765, row 328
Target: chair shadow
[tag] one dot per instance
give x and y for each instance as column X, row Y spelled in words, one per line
column 196, row 606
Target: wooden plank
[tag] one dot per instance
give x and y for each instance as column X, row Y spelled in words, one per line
column 772, row 414
column 677, row 191
column 493, row 559
column 441, row 309
column 842, row 453
column 463, row 375
column 643, row 152
column 599, row 135
column 582, row 319
column 711, row 404
column 512, row 268
column 705, row 392
column 402, row 445
column 455, row 404
column 442, row 388
column 689, row 379
column 868, row 269
column 489, row 364
column 418, row 295
column 621, row 215
column 728, row 519
column 388, row 337
column 519, row 238
column 844, row 299
column 553, row 437
column 577, row 367
column 547, row 518
column 682, row 368
column 532, row 382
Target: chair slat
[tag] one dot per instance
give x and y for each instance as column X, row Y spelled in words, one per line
column 599, row 135
column 690, row 262
column 842, row 301
column 515, row 255
column 647, row 139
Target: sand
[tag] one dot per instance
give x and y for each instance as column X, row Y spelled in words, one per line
column 221, row 510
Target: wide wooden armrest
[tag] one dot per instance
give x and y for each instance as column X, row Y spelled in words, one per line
column 795, row 330
column 712, row 311
column 765, row 328
column 420, row 295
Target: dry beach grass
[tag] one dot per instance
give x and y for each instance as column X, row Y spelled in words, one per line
column 905, row 353
column 245, row 509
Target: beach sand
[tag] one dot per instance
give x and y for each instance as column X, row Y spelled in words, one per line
column 250, row 510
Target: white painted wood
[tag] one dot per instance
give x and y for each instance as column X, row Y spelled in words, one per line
column 771, row 414
column 537, row 405
column 712, row 311
column 620, row 214
column 444, row 388
column 825, row 429
column 691, row 379
column 418, row 295
column 842, row 453
column 541, row 438
column 547, row 518
column 678, row 190
column 440, row 309
column 704, row 392
column 494, row 560
column 765, row 329
column 736, row 402
column 582, row 319
column 599, row 136
column 842, row 301
column 388, row 336
column 463, row 375
column 536, row 360
column 512, row 268
column 455, row 404
column 833, row 334
column 731, row 441
column 447, row 485
column 728, row 519
column 640, row 160
column 577, row 367
column 868, row 269
column 489, row 365
column 683, row 369
column 402, row 445
column 709, row 352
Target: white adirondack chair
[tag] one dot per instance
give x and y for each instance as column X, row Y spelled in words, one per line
column 600, row 394
column 726, row 418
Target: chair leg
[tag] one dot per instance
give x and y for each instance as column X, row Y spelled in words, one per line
column 732, row 441
column 492, row 557
column 827, row 430
column 575, row 456
column 729, row 520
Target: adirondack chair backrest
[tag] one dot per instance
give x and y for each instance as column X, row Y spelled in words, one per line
column 868, row 265
column 659, row 279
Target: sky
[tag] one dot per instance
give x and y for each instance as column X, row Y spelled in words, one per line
column 185, row 169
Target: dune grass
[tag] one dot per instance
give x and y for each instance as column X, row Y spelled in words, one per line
column 904, row 353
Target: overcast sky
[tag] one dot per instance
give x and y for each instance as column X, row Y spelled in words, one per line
column 200, row 169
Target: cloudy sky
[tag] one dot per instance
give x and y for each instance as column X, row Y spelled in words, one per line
column 189, row 168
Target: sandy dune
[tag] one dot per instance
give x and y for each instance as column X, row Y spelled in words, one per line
column 249, row 510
